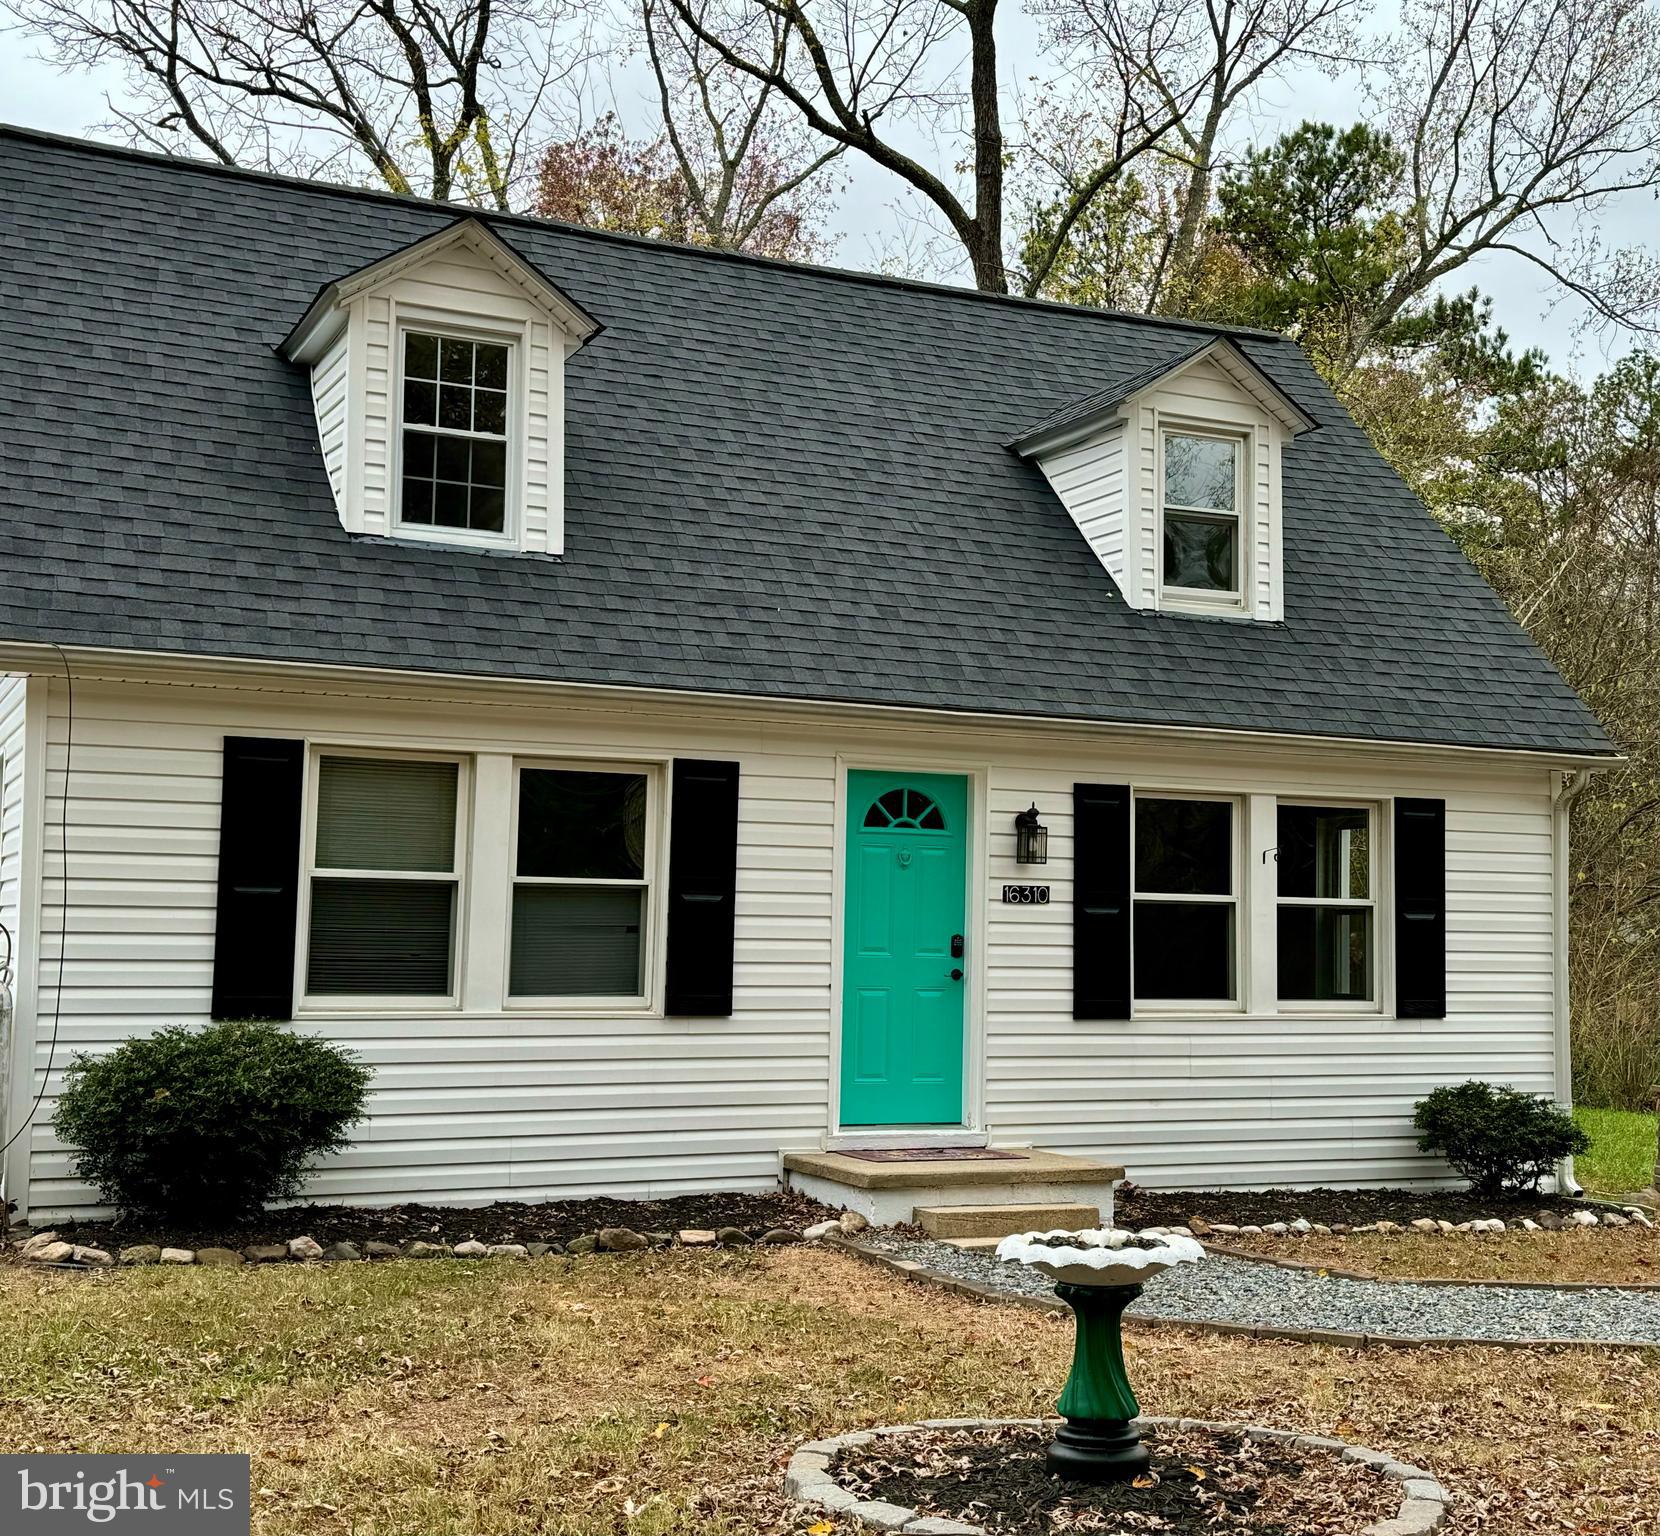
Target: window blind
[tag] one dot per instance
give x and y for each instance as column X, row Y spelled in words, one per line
column 383, row 813
column 575, row 941
column 380, row 938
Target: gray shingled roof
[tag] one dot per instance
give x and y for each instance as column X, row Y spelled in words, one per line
column 780, row 482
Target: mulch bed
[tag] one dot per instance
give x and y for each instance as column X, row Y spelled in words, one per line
column 1136, row 1208
column 507, row 1221
column 1200, row 1481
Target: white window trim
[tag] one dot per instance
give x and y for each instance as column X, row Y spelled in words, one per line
column 1194, row 599
column 648, row 1002
column 335, row 1003
column 512, row 337
column 1360, row 1007
column 1239, row 900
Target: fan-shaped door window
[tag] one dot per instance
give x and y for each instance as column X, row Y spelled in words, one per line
column 909, row 808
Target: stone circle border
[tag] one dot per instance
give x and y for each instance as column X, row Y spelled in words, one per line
column 807, row 1479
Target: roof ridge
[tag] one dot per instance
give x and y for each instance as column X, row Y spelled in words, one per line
column 702, row 252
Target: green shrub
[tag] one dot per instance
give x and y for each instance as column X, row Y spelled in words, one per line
column 1497, row 1138
column 209, row 1124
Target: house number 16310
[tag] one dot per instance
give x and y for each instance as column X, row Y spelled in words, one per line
column 1026, row 895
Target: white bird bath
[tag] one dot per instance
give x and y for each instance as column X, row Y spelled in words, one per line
column 1098, row 1273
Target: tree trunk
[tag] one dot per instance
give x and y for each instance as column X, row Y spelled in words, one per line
column 986, row 251
column 1184, row 248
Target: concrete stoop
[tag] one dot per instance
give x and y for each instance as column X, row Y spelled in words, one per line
column 980, row 1228
column 966, row 1199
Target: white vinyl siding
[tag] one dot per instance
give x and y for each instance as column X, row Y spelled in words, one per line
column 13, row 691
column 22, row 727
column 1110, row 485
column 1273, row 1096
column 1203, row 396
column 463, row 291
column 486, row 1101
column 467, row 290
column 329, row 395
column 1090, row 479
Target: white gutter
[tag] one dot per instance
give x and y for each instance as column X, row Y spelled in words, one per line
column 1571, row 785
column 99, row 663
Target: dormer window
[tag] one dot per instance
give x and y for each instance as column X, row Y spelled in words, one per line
column 1201, row 519
column 1172, row 475
column 454, row 474
column 438, row 379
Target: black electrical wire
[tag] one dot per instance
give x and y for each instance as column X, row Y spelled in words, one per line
column 63, row 911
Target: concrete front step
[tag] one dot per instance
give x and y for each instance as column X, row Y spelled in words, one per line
column 998, row 1221
column 972, row 1244
column 886, row 1193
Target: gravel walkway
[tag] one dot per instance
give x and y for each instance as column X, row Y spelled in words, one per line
column 1225, row 1290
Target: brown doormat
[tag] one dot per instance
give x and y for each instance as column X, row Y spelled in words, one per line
column 936, row 1155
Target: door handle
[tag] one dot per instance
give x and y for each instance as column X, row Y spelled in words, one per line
column 955, row 973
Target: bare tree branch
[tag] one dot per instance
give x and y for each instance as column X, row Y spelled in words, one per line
column 1176, row 72
column 1517, row 116
column 436, row 97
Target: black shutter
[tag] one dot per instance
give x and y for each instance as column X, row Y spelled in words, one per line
column 1421, row 909
column 1100, row 901
column 703, row 884
column 259, row 878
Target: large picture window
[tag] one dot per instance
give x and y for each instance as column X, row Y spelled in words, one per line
column 1327, row 904
column 581, row 883
column 1200, row 515
column 455, row 414
column 383, row 878
column 1186, row 908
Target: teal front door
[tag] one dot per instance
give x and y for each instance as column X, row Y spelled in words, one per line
column 903, row 945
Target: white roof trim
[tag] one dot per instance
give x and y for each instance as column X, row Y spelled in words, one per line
column 1255, row 383
column 1105, row 408
column 325, row 317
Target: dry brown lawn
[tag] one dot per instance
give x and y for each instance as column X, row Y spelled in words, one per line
column 662, row 1392
column 1599, row 1255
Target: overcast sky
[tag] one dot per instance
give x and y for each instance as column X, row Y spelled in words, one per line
column 34, row 94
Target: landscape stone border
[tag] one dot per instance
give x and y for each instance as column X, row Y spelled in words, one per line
column 808, row 1480
column 1613, row 1215
column 45, row 1249
column 1251, row 1256
column 909, row 1269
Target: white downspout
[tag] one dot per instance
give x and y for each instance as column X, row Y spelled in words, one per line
column 1570, row 786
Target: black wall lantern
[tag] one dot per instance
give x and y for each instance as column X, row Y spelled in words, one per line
column 1031, row 838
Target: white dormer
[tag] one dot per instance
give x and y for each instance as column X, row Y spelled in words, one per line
column 438, row 377
column 1173, row 477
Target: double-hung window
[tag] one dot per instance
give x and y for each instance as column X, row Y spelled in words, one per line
column 453, row 472
column 1200, row 517
column 1186, row 909
column 583, row 851
column 1327, row 907
column 384, row 877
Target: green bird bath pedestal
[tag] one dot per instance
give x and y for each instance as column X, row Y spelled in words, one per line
column 1098, row 1274
column 1098, row 1443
